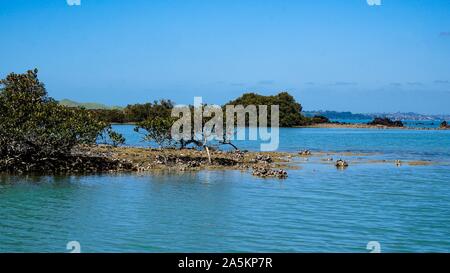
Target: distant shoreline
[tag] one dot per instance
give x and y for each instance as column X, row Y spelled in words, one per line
column 343, row 126
column 365, row 126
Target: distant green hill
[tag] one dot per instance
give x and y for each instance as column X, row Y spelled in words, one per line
column 87, row 105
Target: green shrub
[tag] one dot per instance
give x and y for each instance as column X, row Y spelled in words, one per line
column 319, row 119
column 115, row 138
column 290, row 110
column 34, row 127
column 157, row 129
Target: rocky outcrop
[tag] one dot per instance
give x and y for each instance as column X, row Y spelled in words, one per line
column 444, row 125
column 262, row 159
column 341, row 164
column 90, row 159
column 305, row 153
column 266, row 171
column 386, row 122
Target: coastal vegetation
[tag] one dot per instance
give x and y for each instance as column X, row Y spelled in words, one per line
column 337, row 115
column 40, row 135
column 36, row 132
column 386, row 122
column 290, row 110
column 154, row 120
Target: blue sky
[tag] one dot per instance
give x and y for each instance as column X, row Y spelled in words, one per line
column 330, row 54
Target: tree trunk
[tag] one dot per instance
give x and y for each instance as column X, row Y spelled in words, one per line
column 209, row 155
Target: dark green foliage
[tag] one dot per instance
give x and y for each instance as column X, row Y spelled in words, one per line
column 34, row 127
column 386, row 122
column 109, row 116
column 141, row 112
column 134, row 113
column 314, row 120
column 115, row 138
column 290, row 110
column 157, row 129
column 319, row 119
column 155, row 119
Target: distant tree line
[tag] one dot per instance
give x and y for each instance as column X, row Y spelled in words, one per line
column 290, row 110
column 134, row 113
column 386, row 122
column 154, row 120
column 337, row 115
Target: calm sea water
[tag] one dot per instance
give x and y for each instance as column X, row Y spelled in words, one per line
column 317, row 209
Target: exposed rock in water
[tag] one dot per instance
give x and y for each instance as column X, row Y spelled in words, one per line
column 444, row 125
column 191, row 162
column 341, row 164
column 266, row 171
column 305, row 153
column 386, row 122
column 262, row 159
column 90, row 159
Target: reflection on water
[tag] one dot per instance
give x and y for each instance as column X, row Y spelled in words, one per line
column 318, row 208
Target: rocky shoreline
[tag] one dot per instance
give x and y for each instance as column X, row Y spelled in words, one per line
column 97, row 159
column 108, row 159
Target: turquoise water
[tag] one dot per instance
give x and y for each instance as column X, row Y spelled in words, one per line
column 317, row 209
